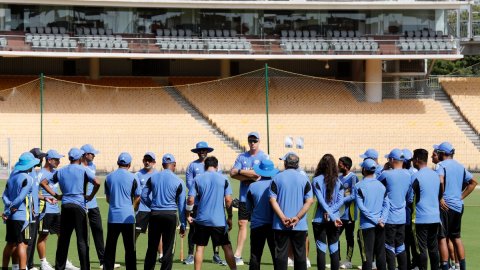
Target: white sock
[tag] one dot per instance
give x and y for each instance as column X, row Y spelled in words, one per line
column 43, row 260
column 15, row 266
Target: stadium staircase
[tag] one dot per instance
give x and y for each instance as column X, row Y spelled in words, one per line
column 204, row 120
column 457, row 117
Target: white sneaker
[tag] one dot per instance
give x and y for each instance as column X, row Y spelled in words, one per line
column 359, row 267
column 33, row 268
column 328, row 266
column 46, row 266
column 69, row 266
column 115, row 265
column 308, row 263
column 374, row 266
column 290, row 263
column 239, row 261
column 346, row 265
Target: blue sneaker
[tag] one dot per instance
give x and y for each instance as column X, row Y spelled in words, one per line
column 217, row 260
column 189, row 259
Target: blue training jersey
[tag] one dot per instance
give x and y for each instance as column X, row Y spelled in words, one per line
column 93, row 203
column 424, row 196
column 143, row 177
column 372, row 202
column 455, row 176
column 291, row 189
column 16, row 196
column 45, row 207
column 332, row 205
column 37, row 177
column 245, row 161
column 72, row 180
column 397, row 182
column 350, row 208
column 258, row 202
column 168, row 193
column 121, row 187
column 209, row 190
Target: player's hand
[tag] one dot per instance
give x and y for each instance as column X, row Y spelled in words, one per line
column 285, row 221
column 293, row 221
column 443, row 204
column 325, row 216
column 182, row 231
column 229, row 224
column 380, row 223
column 88, row 197
column 338, row 223
column 190, row 220
column 4, row 217
column 50, row 200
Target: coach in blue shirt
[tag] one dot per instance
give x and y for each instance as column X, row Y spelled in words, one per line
column 258, row 203
column 195, row 168
column 18, row 212
column 168, row 195
column 426, row 213
column 210, row 191
column 397, row 183
column 72, row 180
column 373, row 205
column 122, row 191
column 290, row 196
column 243, row 171
column 453, row 178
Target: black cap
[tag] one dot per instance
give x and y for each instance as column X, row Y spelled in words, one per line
column 37, row 153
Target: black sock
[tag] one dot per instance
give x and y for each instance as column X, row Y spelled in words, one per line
column 4, row 268
column 463, row 264
column 445, row 265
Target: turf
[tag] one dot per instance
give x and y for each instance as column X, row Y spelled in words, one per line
column 470, row 237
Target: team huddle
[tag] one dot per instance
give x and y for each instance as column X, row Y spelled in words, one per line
column 408, row 214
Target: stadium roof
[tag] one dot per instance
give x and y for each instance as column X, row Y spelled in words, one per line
column 287, row 4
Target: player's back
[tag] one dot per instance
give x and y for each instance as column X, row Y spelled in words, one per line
column 397, row 182
column 210, row 189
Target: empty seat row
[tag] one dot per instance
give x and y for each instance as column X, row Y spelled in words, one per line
column 423, row 33
column 59, row 44
column 174, row 32
column 181, row 45
column 31, row 37
column 336, row 46
column 426, row 46
column 108, row 44
column 229, row 46
column 219, row 33
column 84, row 39
column 332, row 39
column 343, row 33
column 415, row 39
column 3, row 42
column 48, row 30
column 298, row 33
column 93, row 31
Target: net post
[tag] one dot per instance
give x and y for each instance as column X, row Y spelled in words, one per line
column 266, row 107
column 41, row 109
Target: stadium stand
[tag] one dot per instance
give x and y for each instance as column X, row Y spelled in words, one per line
column 465, row 93
column 327, row 116
column 113, row 119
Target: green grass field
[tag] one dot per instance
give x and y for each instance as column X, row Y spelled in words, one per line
column 470, row 237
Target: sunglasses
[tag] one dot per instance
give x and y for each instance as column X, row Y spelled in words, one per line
column 252, row 141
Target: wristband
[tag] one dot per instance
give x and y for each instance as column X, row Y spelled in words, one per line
column 239, row 172
column 189, row 207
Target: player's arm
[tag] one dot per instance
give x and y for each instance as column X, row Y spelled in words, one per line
column 26, row 187
column 338, row 201
column 243, row 175
column 307, row 203
column 96, row 185
column 137, row 191
column 145, row 197
column 228, row 207
column 107, row 192
column 469, row 188
column 361, row 206
column 46, row 187
column 6, row 200
column 276, row 208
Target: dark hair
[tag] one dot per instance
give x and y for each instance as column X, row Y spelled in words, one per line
column 366, row 172
column 291, row 161
column 346, row 161
column 420, row 154
column 211, row 161
column 327, row 166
